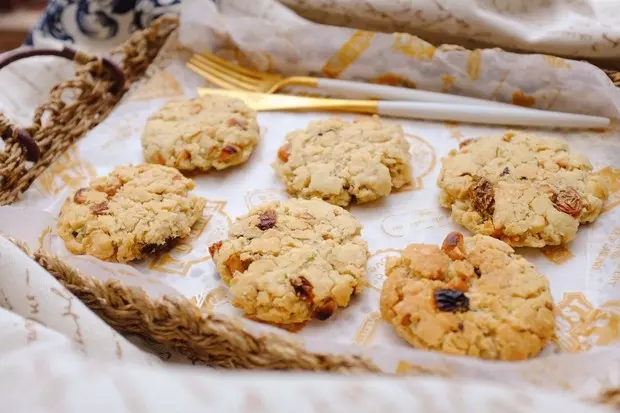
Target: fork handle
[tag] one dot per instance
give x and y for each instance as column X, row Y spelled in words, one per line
column 498, row 115
column 381, row 92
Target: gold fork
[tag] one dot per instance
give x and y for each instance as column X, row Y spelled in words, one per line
column 417, row 110
column 230, row 76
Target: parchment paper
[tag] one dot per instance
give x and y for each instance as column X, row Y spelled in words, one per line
column 583, row 275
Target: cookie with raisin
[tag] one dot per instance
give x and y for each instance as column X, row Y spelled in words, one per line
column 521, row 188
column 130, row 213
column 343, row 162
column 473, row 296
column 201, row 134
column 292, row 261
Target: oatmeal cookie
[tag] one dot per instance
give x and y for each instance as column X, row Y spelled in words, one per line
column 473, row 296
column 132, row 212
column 523, row 189
column 341, row 162
column 288, row 262
column 201, row 133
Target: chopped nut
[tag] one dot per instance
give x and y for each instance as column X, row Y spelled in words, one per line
column 477, row 271
column 267, row 220
column 235, row 264
column 99, row 208
column 242, row 123
column 80, row 197
column 184, row 156
column 284, row 152
column 227, row 152
column 214, row 248
column 507, row 137
column 326, row 310
column 159, row 159
column 306, row 215
column 568, row 201
column 464, row 143
column 506, row 171
column 451, row 300
column 483, row 196
column 454, row 246
column 303, row 289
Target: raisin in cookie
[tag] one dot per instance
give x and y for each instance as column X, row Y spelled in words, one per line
column 201, row 133
column 523, row 189
column 293, row 261
column 473, row 296
column 341, row 162
column 134, row 211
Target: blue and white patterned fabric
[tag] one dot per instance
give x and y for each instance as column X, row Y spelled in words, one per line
column 97, row 23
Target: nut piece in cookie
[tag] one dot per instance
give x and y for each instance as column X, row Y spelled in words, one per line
column 521, row 188
column 133, row 212
column 210, row 132
column 289, row 262
column 342, row 162
column 473, row 297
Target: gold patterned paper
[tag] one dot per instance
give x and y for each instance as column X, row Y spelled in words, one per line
column 584, row 275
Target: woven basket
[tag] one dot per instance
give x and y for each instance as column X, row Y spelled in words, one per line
column 214, row 340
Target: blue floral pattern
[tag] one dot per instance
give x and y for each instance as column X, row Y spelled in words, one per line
column 98, row 20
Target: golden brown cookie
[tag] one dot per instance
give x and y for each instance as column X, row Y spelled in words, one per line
column 523, row 189
column 341, row 162
column 201, row 134
column 288, row 262
column 132, row 212
column 473, row 296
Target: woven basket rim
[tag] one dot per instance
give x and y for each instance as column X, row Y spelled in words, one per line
column 216, row 340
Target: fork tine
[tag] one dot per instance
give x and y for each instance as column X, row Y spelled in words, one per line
column 223, row 71
column 222, row 62
column 211, row 78
column 240, row 81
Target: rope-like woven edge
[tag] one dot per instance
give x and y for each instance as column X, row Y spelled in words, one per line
column 212, row 339
column 60, row 122
column 218, row 341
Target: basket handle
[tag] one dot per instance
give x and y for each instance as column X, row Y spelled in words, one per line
column 28, row 143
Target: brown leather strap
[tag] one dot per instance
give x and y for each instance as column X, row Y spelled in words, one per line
column 23, row 137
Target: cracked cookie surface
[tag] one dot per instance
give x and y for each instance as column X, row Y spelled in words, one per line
column 201, row 134
column 292, row 261
column 523, row 189
column 473, row 296
column 130, row 213
column 341, row 162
